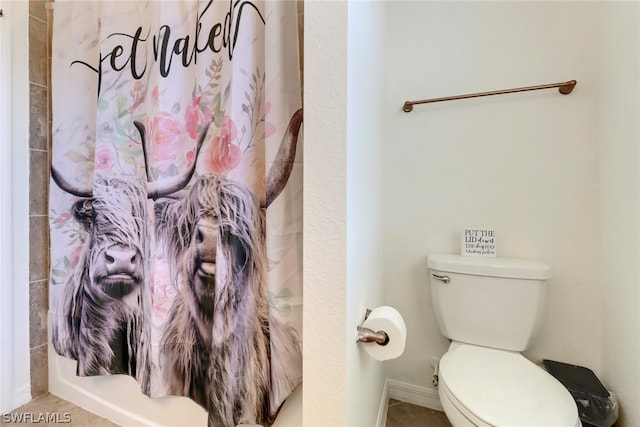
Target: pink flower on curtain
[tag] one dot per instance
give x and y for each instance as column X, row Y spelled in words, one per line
column 222, row 154
column 190, row 156
column 162, row 291
column 104, row 159
column 196, row 117
column 75, row 255
column 165, row 138
column 61, row 220
column 154, row 95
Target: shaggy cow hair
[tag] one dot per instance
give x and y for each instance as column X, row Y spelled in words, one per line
column 102, row 323
column 216, row 346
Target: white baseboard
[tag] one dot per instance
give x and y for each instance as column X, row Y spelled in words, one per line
column 384, row 406
column 422, row 396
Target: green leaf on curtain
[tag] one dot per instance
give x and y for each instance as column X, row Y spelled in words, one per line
column 225, row 97
column 218, row 115
column 175, row 109
column 58, row 272
column 122, row 106
column 284, row 293
column 102, row 104
column 275, row 304
column 129, row 159
column 78, row 157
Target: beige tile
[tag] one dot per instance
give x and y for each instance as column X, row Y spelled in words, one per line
column 38, row 117
column 407, row 415
column 66, row 412
column 50, row 32
column 393, row 402
column 39, row 371
column 38, row 248
column 38, row 182
column 38, row 305
column 37, row 51
column 37, row 9
column 300, row 8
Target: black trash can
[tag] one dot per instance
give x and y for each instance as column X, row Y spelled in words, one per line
column 597, row 407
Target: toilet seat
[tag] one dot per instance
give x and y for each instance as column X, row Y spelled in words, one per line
column 501, row 388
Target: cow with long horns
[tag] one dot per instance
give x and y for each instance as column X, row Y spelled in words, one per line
column 102, row 321
column 216, row 346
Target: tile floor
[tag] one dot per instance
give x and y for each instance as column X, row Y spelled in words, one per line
column 52, row 408
column 402, row 414
column 399, row 414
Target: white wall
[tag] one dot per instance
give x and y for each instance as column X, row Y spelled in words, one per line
column 16, row 388
column 324, row 251
column 365, row 103
column 6, row 303
column 619, row 154
column 525, row 164
column 342, row 215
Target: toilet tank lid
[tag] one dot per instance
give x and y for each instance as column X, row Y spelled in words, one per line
column 493, row 267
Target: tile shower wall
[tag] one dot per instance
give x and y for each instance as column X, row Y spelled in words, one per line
column 39, row 131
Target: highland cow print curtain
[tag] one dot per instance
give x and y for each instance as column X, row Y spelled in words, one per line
column 176, row 194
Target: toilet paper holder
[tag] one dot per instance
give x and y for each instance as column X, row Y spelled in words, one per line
column 369, row 335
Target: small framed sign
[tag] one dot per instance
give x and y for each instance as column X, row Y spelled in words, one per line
column 478, row 242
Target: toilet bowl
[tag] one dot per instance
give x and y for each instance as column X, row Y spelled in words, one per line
column 486, row 387
column 490, row 308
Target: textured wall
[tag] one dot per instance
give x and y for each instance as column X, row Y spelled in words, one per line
column 619, row 133
column 324, row 251
column 365, row 285
column 39, row 131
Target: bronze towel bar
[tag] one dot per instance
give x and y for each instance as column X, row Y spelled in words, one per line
column 564, row 88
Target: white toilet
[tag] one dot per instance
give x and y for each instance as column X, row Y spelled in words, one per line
column 490, row 308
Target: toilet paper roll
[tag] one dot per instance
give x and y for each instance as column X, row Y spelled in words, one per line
column 386, row 319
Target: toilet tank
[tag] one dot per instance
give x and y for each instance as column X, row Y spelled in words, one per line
column 492, row 302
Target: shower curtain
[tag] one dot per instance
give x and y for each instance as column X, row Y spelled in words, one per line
column 176, row 199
